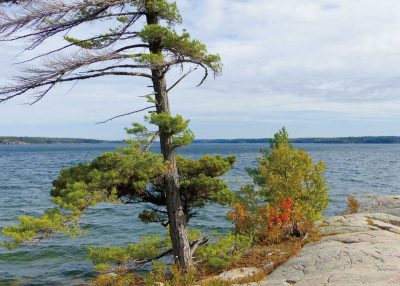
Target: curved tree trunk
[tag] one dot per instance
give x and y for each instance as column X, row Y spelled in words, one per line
column 176, row 216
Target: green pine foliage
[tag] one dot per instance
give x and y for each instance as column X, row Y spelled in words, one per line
column 214, row 256
column 175, row 126
column 104, row 257
column 130, row 175
column 174, row 45
column 108, row 257
column 226, row 250
column 164, row 9
column 34, row 229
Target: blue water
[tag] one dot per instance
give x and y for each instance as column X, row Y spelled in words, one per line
column 26, row 173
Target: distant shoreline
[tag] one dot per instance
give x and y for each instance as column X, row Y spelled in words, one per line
column 13, row 140
column 333, row 140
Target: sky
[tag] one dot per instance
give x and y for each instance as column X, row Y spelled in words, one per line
column 321, row 68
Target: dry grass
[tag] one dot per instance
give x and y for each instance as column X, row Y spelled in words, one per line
column 353, row 206
column 274, row 255
column 217, row 282
column 267, row 257
column 121, row 279
column 254, row 278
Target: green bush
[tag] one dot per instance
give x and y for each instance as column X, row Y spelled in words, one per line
column 287, row 172
column 225, row 250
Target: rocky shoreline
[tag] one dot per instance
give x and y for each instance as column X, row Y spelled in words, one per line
column 356, row 249
column 381, row 204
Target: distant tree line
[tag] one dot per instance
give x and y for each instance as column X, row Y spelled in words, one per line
column 336, row 140
column 47, row 140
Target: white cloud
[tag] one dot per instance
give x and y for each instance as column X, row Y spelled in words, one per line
column 321, row 58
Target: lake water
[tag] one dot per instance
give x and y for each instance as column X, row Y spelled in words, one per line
column 26, row 173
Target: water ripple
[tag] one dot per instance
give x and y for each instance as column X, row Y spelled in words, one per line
column 26, row 173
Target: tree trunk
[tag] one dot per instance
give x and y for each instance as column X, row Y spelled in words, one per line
column 176, row 216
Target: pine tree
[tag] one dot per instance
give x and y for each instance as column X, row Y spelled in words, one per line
column 127, row 48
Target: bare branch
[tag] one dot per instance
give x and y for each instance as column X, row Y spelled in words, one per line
column 205, row 74
column 75, row 44
column 195, row 62
column 195, row 244
column 52, row 83
column 47, row 18
column 125, row 114
column 44, row 19
column 63, row 70
column 151, row 142
column 131, row 47
column 119, row 66
column 179, row 80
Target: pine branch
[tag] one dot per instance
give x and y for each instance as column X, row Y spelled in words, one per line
column 34, row 15
column 132, row 264
column 62, row 70
column 80, row 42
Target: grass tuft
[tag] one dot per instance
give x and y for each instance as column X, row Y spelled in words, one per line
column 353, row 206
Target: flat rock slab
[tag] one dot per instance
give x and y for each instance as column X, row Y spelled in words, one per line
column 234, row 274
column 360, row 249
column 381, row 204
column 239, row 273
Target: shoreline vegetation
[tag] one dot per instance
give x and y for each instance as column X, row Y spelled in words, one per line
column 16, row 140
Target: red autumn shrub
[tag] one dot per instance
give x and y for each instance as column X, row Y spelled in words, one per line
column 267, row 223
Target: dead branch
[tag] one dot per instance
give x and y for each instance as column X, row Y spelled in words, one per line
column 205, row 74
column 39, row 20
column 125, row 114
column 151, row 142
column 60, row 70
column 78, row 43
column 119, row 66
column 179, row 80
column 47, row 18
column 194, row 245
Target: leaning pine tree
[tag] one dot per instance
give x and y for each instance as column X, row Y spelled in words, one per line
column 130, row 47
